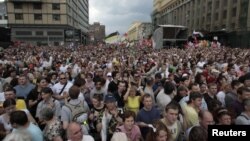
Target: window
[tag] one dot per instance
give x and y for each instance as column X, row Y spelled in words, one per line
column 18, row 6
column 54, row 33
column 69, row 19
column 203, row 20
column 39, row 32
column 23, row 33
column 208, row 27
column 233, row 25
column 37, row 6
column 5, row 17
column 216, row 16
column 217, row 4
column 225, row 2
column 55, row 6
column 234, row 11
column 19, row 16
column 56, row 17
column 69, row 9
column 210, row 5
column 225, row 14
column 209, row 17
column 38, row 16
column 0, row 17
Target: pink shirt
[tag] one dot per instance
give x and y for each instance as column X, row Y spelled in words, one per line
column 134, row 134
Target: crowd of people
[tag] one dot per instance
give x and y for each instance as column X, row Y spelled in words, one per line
column 101, row 93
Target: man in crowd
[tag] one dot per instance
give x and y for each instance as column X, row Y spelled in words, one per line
column 75, row 133
column 147, row 114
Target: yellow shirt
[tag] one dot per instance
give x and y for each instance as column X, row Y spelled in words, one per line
column 20, row 104
column 133, row 103
column 191, row 116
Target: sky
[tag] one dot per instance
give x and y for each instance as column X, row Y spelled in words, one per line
column 118, row 15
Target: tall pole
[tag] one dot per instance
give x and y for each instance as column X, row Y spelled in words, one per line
column 48, row 40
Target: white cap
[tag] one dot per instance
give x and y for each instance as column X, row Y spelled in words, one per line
column 109, row 74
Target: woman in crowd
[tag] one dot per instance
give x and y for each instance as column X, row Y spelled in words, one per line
column 158, row 132
column 35, row 97
column 47, row 101
column 53, row 129
column 132, row 100
column 222, row 117
column 129, row 128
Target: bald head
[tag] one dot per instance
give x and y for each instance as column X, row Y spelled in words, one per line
column 206, row 118
column 74, row 132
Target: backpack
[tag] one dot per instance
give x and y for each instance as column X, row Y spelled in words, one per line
column 76, row 111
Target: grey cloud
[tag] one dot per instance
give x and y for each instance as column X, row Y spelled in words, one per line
column 117, row 15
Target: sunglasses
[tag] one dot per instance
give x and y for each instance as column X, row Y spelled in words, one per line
column 62, row 78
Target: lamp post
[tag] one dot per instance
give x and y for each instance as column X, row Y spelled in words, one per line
column 48, row 41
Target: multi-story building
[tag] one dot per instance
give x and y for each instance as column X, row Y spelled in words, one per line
column 231, row 16
column 3, row 15
column 133, row 31
column 97, row 32
column 145, row 30
column 48, row 22
column 139, row 30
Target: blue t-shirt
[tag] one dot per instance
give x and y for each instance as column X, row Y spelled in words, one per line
column 147, row 117
column 34, row 131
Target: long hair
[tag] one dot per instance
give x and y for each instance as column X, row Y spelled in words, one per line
column 153, row 133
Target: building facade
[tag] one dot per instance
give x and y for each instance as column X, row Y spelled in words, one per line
column 49, row 22
column 3, row 15
column 97, row 32
column 139, row 30
column 208, row 15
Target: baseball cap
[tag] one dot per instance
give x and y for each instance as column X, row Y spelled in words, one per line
column 109, row 74
column 109, row 98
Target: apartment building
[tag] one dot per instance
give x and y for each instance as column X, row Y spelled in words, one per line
column 53, row 22
column 3, row 15
column 139, row 30
column 97, row 32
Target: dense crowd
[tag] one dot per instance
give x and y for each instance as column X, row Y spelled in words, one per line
column 115, row 93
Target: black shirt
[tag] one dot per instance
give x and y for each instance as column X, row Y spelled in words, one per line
column 112, row 87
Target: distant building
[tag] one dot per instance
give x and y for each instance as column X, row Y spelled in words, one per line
column 228, row 16
column 48, row 22
column 113, row 38
column 139, row 30
column 3, row 15
column 97, row 32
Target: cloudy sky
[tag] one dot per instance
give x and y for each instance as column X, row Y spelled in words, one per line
column 117, row 15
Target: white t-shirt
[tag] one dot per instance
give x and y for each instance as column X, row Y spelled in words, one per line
column 58, row 87
column 87, row 138
column 162, row 100
column 2, row 98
